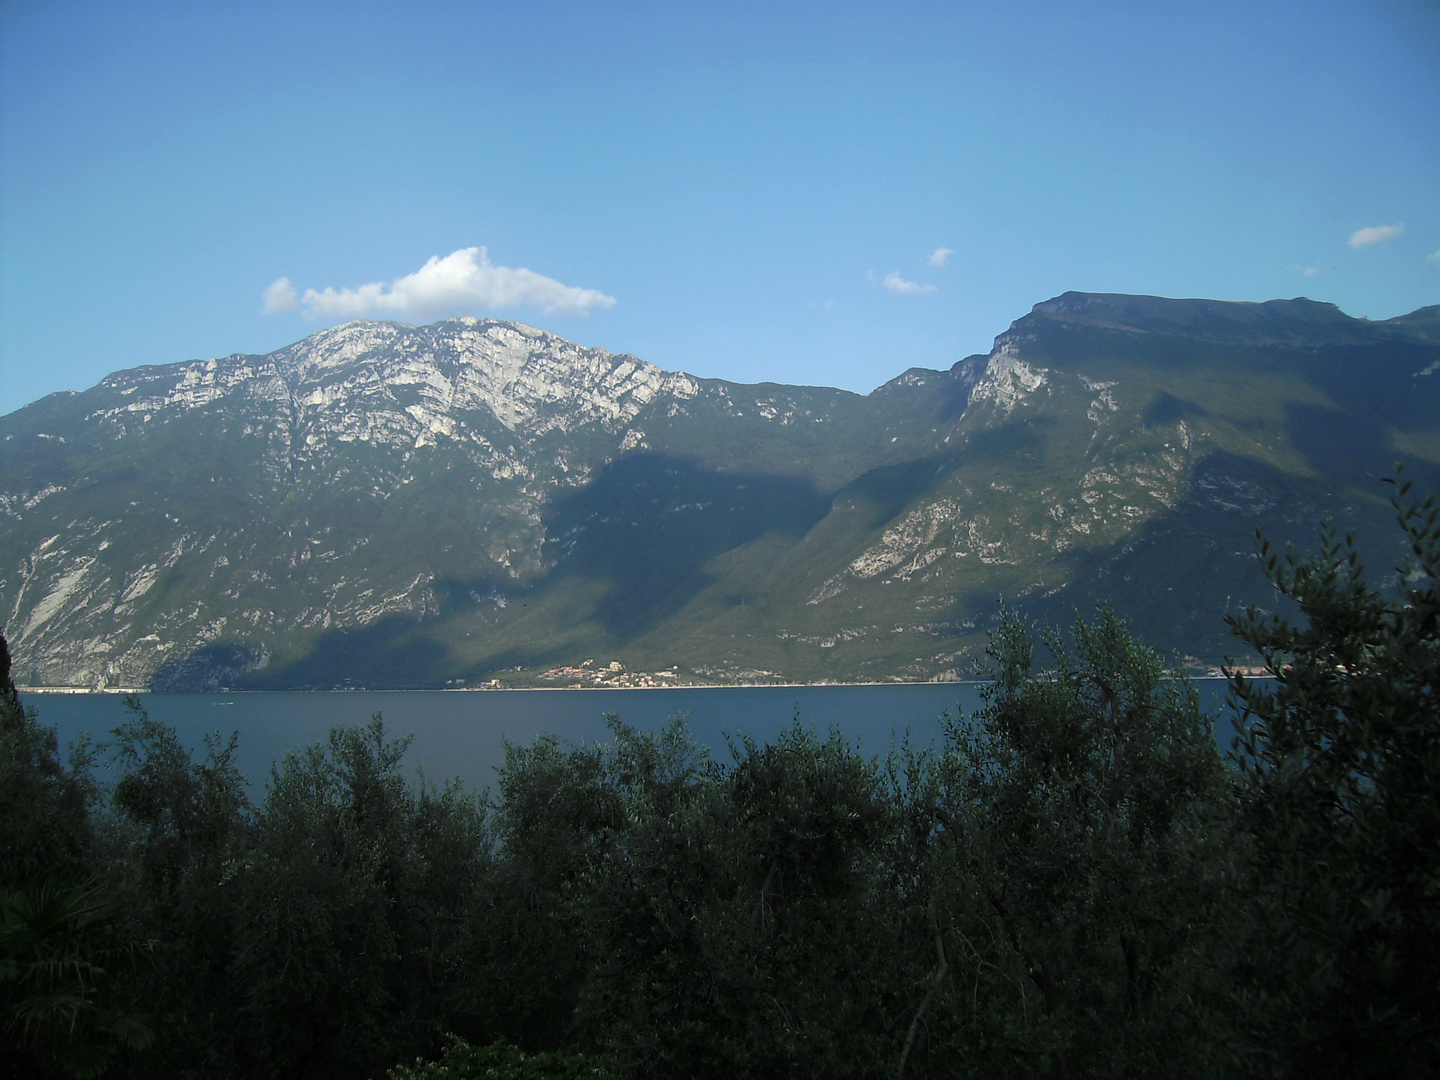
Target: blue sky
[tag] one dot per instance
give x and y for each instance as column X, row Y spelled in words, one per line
column 752, row 192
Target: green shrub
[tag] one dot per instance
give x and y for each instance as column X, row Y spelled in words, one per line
column 498, row 1061
column 1335, row 963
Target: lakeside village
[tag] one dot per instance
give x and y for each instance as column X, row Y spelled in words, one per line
column 613, row 676
column 586, row 676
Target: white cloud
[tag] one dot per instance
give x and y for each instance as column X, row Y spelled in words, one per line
column 1434, row 257
column 280, row 296
column 1308, row 271
column 896, row 284
column 1374, row 234
column 464, row 280
column 939, row 257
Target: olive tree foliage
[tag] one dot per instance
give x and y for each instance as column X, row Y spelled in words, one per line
column 61, row 945
column 1078, row 859
column 330, row 931
column 498, row 1061
column 741, row 919
column 1335, row 968
column 176, row 829
column 683, row 917
column 553, row 811
column 564, row 817
column 44, row 805
column 357, row 906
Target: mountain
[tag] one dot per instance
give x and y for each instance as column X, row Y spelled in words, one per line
column 387, row 505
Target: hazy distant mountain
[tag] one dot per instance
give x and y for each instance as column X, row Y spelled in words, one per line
column 386, row 505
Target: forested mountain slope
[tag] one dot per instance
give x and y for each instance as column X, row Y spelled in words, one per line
column 386, row 505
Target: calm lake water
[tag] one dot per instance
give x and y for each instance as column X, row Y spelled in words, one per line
column 462, row 734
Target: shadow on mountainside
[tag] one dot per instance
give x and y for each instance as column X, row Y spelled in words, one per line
column 1349, row 446
column 648, row 524
column 632, row 549
column 403, row 652
column 1175, row 578
column 219, row 665
column 955, row 390
column 1168, row 409
column 637, row 544
column 1370, row 388
column 396, row 652
column 886, row 491
column 1352, row 443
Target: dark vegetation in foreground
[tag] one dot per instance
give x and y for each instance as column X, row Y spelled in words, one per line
column 1079, row 883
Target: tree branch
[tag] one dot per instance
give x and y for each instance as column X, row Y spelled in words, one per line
column 942, row 968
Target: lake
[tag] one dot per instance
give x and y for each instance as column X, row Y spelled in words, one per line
column 462, row 733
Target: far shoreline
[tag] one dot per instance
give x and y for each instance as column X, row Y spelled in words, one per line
column 112, row 690
column 123, row 691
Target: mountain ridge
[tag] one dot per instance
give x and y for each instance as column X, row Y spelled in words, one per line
column 381, row 504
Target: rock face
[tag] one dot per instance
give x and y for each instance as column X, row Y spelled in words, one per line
column 386, row 505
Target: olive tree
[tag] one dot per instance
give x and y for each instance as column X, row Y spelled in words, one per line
column 1081, row 824
column 357, row 905
column 1336, row 958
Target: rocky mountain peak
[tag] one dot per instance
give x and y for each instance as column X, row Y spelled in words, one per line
column 366, row 380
